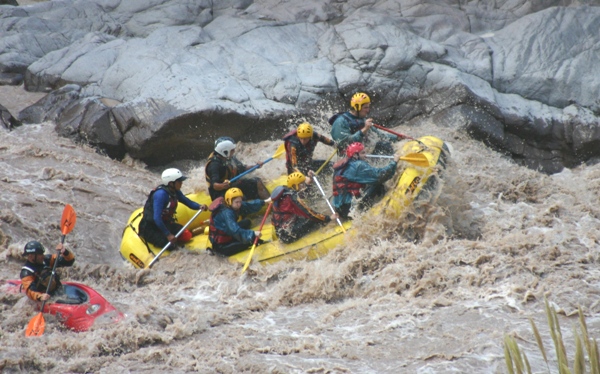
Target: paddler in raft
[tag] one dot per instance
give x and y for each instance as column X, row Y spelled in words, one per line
column 292, row 217
column 354, row 126
column 222, row 166
column 159, row 225
column 37, row 271
column 228, row 236
column 300, row 146
column 353, row 177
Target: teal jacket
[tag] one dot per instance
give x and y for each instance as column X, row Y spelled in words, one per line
column 346, row 130
column 360, row 171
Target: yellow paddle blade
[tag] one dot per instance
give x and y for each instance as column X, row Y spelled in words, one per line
column 249, row 259
column 36, row 326
column 280, row 151
column 417, row 159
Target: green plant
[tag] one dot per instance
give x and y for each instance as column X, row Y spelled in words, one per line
column 517, row 362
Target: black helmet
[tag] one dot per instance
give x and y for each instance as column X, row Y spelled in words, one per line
column 33, row 247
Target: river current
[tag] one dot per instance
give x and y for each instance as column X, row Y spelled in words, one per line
column 491, row 244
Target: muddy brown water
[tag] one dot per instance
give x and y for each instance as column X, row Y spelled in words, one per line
column 492, row 243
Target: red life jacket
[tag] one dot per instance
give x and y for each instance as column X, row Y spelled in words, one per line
column 342, row 185
column 168, row 213
column 282, row 200
column 215, row 235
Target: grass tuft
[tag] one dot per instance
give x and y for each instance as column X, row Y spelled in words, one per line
column 517, row 362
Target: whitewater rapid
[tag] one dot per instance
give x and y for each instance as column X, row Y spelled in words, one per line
column 493, row 242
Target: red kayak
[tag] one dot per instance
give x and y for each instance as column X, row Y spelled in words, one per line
column 79, row 307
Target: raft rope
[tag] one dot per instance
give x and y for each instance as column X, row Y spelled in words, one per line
column 139, row 236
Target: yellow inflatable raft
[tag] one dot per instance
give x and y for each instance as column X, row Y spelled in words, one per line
column 408, row 186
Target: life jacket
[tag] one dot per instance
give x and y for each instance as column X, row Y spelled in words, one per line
column 42, row 278
column 232, row 167
column 304, row 153
column 281, row 218
column 168, row 213
column 356, row 124
column 215, row 235
column 341, row 185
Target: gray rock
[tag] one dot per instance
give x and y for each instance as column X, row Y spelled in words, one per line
column 517, row 73
column 7, row 120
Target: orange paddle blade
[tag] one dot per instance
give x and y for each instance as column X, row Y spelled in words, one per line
column 68, row 219
column 36, row 326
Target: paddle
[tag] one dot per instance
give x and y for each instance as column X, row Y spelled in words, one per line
column 176, row 236
column 278, row 153
column 417, row 159
column 401, row 136
column 37, row 324
column 249, row 259
column 328, row 203
column 326, row 162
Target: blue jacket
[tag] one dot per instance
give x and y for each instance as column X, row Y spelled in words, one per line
column 159, row 203
column 346, row 130
column 226, row 220
column 360, row 171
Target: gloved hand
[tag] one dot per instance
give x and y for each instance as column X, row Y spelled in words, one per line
column 268, row 200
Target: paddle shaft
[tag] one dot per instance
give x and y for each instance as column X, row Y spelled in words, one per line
column 379, row 156
column 328, row 203
column 262, row 223
column 62, row 241
column 249, row 171
column 277, row 154
column 401, row 136
column 326, row 162
column 176, row 236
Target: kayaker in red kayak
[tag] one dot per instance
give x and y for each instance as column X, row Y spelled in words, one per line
column 37, row 271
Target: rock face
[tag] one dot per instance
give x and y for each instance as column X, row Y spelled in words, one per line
column 161, row 80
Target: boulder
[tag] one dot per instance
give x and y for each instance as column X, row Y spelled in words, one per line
column 518, row 74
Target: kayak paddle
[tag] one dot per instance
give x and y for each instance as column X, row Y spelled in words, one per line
column 37, row 324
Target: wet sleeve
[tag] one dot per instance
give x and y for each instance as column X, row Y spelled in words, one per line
column 65, row 260
column 323, row 139
column 340, row 132
column 233, row 229
column 160, row 199
column 251, row 206
column 362, row 172
column 290, row 148
column 187, row 202
column 27, row 279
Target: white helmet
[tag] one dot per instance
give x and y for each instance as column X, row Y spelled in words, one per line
column 224, row 145
column 172, row 175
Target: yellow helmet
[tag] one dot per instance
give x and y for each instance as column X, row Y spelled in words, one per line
column 358, row 100
column 305, row 130
column 294, row 180
column 231, row 194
